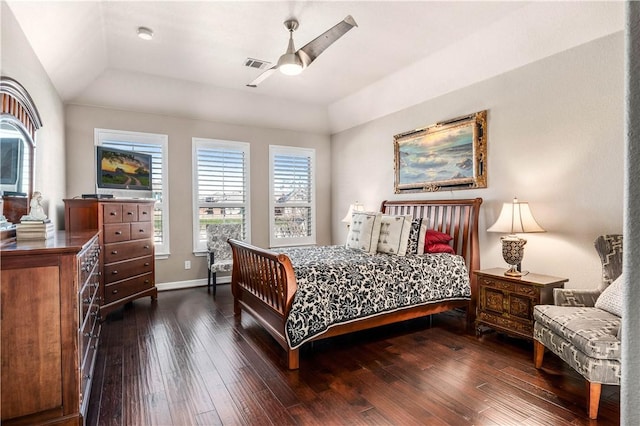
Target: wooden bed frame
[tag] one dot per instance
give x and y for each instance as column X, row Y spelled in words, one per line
column 263, row 283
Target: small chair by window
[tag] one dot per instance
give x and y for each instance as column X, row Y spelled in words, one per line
column 219, row 258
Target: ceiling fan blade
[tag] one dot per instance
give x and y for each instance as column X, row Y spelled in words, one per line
column 259, row 79
column 315, row 47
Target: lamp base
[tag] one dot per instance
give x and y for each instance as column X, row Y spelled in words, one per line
column 513, row 271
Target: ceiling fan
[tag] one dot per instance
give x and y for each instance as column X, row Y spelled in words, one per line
column 292, row 62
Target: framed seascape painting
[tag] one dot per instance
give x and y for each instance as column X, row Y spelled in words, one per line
column 447, row 155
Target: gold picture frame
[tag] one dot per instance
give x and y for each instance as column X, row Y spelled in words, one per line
column 448, row 155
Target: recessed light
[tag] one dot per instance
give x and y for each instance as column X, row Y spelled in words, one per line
column 145, row 33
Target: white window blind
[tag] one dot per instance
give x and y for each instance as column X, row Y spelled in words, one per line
column 156, row 146
column 221, row 187
column 292, row 196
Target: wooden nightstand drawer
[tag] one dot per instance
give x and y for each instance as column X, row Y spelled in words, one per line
column 506, row 303
column 507, row 325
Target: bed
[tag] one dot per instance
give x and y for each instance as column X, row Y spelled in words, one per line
column 264, row 282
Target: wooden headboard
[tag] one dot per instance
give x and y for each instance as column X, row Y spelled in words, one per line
column 458, row 218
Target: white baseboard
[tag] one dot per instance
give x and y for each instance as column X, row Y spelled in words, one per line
column 178, row 285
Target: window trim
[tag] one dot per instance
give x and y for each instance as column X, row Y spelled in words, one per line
column 162, row 251
column 296, row 241
column 200, row 247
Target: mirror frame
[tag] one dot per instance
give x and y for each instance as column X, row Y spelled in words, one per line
column 18, row 109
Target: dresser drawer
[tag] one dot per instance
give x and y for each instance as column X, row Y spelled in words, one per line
column 87, row 368
column 122, row 251
column 122, row 270
column 112, row 213
column 89, row 333
column 129, row 212
column 141, row 230
column 116, row 232
column 87, row 300
column 145, row 212
column 120, row 289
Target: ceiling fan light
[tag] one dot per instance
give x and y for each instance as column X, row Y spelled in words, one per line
column 290, row 64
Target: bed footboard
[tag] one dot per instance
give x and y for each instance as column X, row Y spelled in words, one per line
column 263, row 284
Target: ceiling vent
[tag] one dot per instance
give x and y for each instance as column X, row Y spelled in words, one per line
column 256, row 63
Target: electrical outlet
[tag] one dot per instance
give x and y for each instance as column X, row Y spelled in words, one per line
column 187, row 264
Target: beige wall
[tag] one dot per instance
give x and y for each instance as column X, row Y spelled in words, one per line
column 19, row 62
column 555, row 139
column 80, row 124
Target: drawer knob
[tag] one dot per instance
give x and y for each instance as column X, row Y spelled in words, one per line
column 141, row 230
column 114, row 252
column 146, row 247
column 114, row 291
column 144, row 213
column 112, row 213
column 146, row 281
column 114, row 272
column 118, row 232
column 130, row 213
column 146, row 263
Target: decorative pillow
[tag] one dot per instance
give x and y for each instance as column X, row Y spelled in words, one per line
column 433, row 237
column 364, row 231
column 394, row 234
column 415, row 244
column 610, row 299
column 439, row 248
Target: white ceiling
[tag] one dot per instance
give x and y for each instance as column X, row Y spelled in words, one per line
column 92, row 54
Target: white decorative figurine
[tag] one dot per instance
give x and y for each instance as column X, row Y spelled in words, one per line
column 36, row 212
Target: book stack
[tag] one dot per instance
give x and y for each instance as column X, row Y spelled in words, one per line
column 34, row 230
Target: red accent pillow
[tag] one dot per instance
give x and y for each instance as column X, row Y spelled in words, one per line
column 439, row 248
column 434, row 236
column 437, row 242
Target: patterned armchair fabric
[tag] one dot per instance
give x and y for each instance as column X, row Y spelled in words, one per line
column 585, row 337
column 609, row 248
column 219, row 258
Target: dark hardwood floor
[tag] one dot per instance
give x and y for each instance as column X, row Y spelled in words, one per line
column 185, row 361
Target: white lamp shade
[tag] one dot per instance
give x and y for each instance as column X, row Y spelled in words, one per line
column 355, row 207
column 516, row 218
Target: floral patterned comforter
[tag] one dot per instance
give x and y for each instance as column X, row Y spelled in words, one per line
column 337, row 285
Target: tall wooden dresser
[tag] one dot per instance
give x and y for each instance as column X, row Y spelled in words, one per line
column 127, row 246
column 50, row 328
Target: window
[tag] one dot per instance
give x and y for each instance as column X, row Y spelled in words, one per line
column 220, row 187
column 292, row 207
column 157, row 146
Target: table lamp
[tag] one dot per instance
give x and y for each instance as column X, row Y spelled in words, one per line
column 515, row 218
column 355, row 207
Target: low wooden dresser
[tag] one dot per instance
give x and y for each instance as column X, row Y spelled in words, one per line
column 506, row 303
column 50, row 328
column 126, row 239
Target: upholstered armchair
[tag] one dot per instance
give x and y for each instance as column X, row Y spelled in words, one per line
column 583, row 327
column 219, row 258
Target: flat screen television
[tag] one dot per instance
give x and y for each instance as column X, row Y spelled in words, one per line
column 123, row 173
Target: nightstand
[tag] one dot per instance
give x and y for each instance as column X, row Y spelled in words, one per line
column 506, row 303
